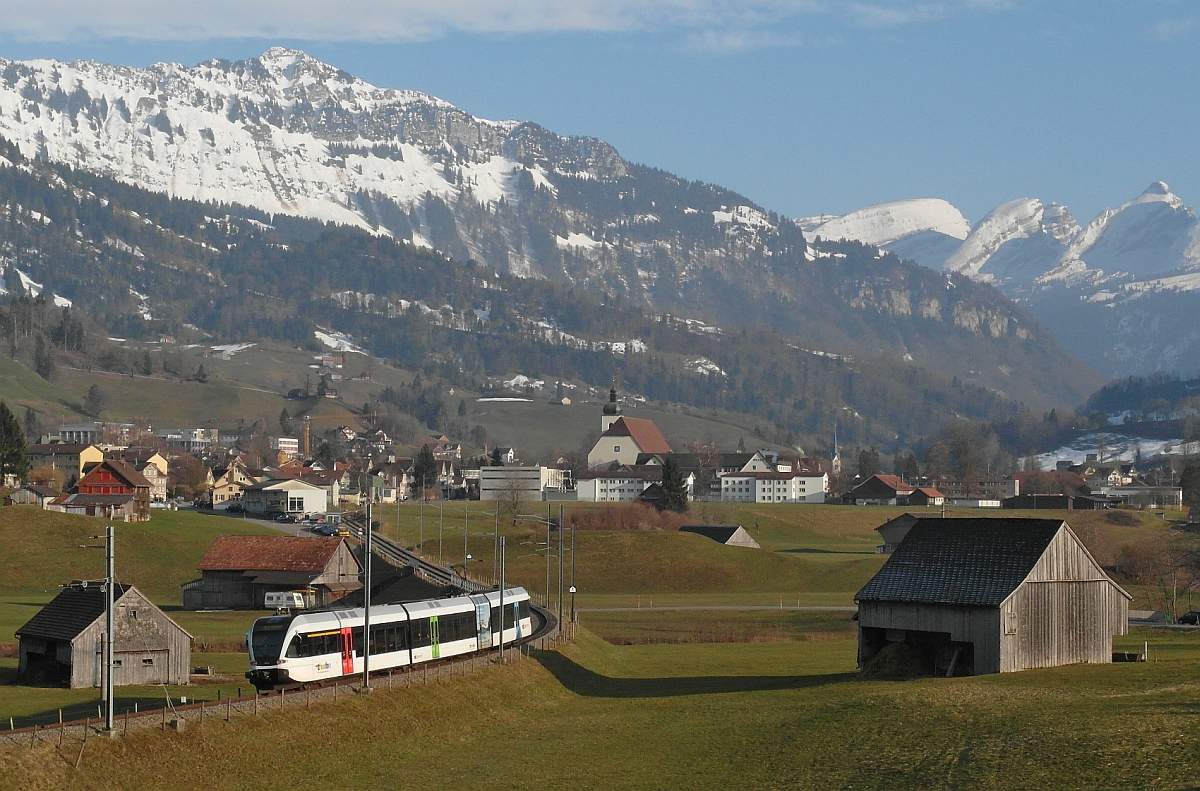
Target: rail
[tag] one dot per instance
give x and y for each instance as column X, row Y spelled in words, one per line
column 399, row 556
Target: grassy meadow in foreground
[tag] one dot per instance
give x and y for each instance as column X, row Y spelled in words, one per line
column 724, row 715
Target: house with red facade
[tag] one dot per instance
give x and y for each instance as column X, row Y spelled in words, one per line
column 110, row 489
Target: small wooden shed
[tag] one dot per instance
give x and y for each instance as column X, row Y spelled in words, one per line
column 64, row 642
column 730, row 535
column 985, row 595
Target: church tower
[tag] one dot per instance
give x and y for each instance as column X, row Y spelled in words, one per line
column 836, row 466
column 612, row 410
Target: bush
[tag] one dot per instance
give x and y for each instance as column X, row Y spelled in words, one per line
column 626, row 516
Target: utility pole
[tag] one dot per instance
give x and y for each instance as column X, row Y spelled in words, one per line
column 548, row 525
column 560, row 562
column 441, row 527
column 109, row 550
column 366, row 682
column 572, row 571
column 466, row 539
column 502, row 600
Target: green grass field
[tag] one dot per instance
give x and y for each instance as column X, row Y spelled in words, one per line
column 40, row 550
column 698, row 716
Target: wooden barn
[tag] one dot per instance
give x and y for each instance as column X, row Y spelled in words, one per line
column 64, row 642
column 239, row 571
column 983, row 596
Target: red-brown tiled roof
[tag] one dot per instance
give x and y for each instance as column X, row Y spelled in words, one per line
column 125, row 473
column 642, row 431
column 929, row 491
column 269, row 553
column 894, row 482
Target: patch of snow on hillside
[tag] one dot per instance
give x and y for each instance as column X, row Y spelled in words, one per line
column 703, row 366
column 230, row 349
column 1117, row 447
column 577, row 240
column 33, row 288
column 62, row 302
column 521, row 381
column 1018, row 219
column 338, row 341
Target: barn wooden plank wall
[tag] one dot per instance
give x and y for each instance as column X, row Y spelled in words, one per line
column 151, row 635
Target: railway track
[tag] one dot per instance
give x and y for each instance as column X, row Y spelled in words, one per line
column 399, row 556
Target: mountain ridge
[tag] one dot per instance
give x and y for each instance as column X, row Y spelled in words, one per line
column 1131, row 275
column 288, row 135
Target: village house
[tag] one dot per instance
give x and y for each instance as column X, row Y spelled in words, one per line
column 63, row 642
column 150, row 463
column 69, row 459
column 110, row 489
column 288, row 496
column 238, row 571
column 891, row 490
column 976, row 596
column 228, row 484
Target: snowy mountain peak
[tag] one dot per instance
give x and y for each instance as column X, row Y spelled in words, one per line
column 287, row 134
column 887, row 222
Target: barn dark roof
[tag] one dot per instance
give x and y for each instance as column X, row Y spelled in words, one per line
column 270, row 553
column 70, row 612
column 719, row 533
column 972, row 562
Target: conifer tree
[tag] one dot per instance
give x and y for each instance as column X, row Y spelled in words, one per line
column 12, row 445
column 674, row 487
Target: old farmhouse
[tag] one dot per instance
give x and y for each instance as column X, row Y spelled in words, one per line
column 238, row 571
column 992, row 596
column 63, row 643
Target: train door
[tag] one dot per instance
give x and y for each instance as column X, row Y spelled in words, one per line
column 483, row 621
column 347, row 639
column 517, row 618
column 435, row 638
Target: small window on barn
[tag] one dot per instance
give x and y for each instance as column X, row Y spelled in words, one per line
column 148, row 660
column 116, row 663
column 133, row 614
column 616, row 448
column 1010, row 623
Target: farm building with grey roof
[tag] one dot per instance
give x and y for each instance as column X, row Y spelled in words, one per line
column 992, row 596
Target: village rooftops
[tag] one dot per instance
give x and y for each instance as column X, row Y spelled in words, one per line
column 269, row 553
column 647, row 436
column 971, row 562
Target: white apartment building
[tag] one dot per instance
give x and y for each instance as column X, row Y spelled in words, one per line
column 616, row 486
column 773, row 487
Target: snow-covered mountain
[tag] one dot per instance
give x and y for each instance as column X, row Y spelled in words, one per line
column 1121, row 292
column 289, row 135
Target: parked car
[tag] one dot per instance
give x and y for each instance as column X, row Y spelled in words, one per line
column 287, row 518
column 1190, row 618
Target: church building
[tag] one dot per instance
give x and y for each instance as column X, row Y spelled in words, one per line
column 624, row 438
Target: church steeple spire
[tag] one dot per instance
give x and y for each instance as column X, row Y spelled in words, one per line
column 612, row 410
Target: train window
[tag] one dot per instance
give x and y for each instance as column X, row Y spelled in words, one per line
column 524, row 609
column 304, row 645
column 419, row 633
column 458, row 627
column 388, row 638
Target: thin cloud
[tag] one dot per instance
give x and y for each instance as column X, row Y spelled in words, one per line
column 727, row 24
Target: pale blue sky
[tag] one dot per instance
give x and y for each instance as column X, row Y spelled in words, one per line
column 805, row 106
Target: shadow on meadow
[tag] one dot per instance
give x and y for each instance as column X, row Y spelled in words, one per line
column 582, row 681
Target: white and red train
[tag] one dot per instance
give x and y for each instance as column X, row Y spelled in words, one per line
column 299, row 649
